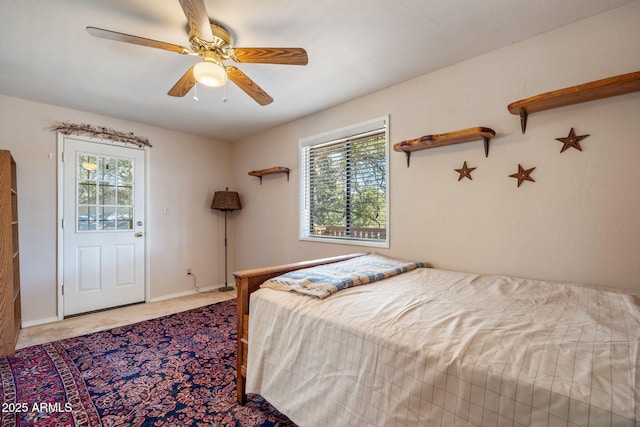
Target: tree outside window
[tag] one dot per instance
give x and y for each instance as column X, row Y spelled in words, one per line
column 344, row 188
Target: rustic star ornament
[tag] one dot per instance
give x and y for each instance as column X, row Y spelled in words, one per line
column 572, row 141
column 465, row 172
column 523, row 175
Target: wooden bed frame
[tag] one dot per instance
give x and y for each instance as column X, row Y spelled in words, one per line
column 248, row 281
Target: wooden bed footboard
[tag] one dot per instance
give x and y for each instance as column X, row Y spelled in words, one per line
column 248, row 281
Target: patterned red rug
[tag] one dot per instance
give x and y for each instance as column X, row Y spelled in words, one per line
column 178, row 370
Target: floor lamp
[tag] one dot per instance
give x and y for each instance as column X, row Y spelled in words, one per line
column 226, row 201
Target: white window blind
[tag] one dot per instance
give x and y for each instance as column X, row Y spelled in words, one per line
column 344, row 197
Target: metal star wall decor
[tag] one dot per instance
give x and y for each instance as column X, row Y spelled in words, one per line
column 465, row 172
column 572, row 141
column 523, row 175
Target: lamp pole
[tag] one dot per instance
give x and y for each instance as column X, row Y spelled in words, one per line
column 226, row 287
column 226, row 201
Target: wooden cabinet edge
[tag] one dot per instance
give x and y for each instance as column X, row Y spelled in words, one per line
column 10, row 309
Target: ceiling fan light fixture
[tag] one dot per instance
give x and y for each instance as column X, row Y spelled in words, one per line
column 210, row 73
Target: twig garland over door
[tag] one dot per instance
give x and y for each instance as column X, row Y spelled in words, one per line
column 102, row 132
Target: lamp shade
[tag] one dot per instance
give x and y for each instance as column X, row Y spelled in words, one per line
column 210, row 73
column 226, row 201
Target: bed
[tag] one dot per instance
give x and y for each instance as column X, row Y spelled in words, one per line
column 438, row 347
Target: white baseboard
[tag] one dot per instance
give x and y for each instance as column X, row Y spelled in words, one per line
column 39, row 321
column 185, row 293
column 46, row 320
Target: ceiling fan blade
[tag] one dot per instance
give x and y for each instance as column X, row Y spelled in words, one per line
column 248, row 86
column 198, row 19
column 270, row 55
column 127, row 38
column 184, row 85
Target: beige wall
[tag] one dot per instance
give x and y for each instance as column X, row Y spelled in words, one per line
column 578, row 222
column 185, row 170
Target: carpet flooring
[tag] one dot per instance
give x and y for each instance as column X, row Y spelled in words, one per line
column 177, row 370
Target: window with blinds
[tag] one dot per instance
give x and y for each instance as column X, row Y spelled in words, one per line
column 344, row 193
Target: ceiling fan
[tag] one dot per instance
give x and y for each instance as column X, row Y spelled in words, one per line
column 214, row 44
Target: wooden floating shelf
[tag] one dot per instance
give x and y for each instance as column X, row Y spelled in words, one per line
column 443, row 139
column 611, row 86
column 276, row 169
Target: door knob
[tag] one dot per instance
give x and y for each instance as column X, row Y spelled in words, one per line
column 138, row 234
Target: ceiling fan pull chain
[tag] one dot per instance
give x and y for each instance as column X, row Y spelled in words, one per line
column 224, row 95
column 195, row 94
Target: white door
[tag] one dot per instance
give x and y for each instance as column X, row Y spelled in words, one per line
column 103, row 225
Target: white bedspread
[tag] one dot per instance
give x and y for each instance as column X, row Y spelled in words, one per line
column 434, row 347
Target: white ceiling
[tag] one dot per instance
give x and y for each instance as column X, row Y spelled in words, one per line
column 355, row 47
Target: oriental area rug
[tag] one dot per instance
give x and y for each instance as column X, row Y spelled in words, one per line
column 177, row 370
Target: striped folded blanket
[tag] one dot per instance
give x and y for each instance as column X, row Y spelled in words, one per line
column 324, row 280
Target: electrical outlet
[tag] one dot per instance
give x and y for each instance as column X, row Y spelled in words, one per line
column 188, row 272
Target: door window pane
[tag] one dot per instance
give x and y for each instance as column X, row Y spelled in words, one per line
column 108, row 194
column 104, row 193
column 87, row 193
column 125, row 171
column 108, row 169
column 125, row 218
column 88, row 166
column 125, row 195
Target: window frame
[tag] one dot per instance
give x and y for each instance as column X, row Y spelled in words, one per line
column 304, row 198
